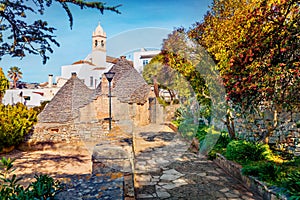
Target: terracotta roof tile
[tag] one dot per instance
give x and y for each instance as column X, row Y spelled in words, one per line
column 82, row 62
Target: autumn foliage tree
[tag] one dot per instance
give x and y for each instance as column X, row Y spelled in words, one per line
column 256, row 46
column 18, row 37
column 174, row 60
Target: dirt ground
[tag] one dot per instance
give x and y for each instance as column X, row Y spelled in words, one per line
column 56, row 160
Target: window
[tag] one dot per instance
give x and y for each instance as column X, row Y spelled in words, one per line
column 91, row 81
column 145, row 62
column 96, row 43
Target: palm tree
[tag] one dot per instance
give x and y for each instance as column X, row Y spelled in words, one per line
column 14, row 73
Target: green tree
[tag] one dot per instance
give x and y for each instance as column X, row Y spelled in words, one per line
column 177, row 54
column 15, row 74
column 167, row 78
column 256, row 46
column 4, row 84
column 19, row 37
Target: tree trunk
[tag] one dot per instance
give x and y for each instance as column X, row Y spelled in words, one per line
column 155, row 85
column 171, row 96
column 230, row 125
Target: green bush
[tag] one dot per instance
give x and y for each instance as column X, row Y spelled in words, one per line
column 162, row 102
column 202, row 132
column 292, row 185
column 285, row 175
column 15, row 123
column 244, row 152
column 220, row 146
column 264, row 171
column 44, row 187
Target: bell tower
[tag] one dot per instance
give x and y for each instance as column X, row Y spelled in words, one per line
column 99, row 46
column 99, row 39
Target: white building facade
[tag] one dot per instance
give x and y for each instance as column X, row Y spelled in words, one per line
column 142, row 58
column 90, row 69
column 29, row 97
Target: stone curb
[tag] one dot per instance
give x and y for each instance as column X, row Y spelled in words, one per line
column 250, row 182
column 128, row 187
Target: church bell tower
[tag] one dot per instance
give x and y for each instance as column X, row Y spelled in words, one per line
column 99, row 46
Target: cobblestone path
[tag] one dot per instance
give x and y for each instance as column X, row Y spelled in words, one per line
column 165, row 169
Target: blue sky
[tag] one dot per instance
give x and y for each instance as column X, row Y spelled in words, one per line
column 151, row 20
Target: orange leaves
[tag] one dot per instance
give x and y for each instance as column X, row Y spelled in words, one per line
column 256, row 45
column 282, row 50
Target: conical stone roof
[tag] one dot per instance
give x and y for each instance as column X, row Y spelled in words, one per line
column 65, row 104
column 128, row 85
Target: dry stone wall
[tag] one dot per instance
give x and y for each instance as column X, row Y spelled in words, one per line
column 286, row 135
column 68, row 132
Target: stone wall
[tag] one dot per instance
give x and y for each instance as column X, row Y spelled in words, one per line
column 55, row 133
column 87, row 113
column 251, row 183
column 122, row 112
column 286, row 136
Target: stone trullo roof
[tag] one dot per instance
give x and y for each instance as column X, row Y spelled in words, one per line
column 128, row 85
column 65, row 104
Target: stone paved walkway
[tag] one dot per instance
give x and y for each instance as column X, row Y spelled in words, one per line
column 165, row 169
column 90, row 187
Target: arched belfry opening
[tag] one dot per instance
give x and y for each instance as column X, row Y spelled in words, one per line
column 99, row 39
column 99, row 47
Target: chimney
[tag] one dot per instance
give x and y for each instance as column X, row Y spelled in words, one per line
column 123, row 57
column 74, row 75
column 50, row 80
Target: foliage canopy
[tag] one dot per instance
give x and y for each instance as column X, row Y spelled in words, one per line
column 256, row 46
column 4, row 84
column 14, row 73
column 16, row 122
column 19, row 37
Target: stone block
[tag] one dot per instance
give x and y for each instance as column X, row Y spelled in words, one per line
column 273, row 140
column 107, row 166
column 108, row 158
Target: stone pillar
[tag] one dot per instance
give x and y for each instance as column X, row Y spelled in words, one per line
column 108, row 158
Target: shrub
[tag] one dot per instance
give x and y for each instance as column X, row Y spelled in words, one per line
column 15, row 123
column 220, row 146
column 215, row 142
column 292, row 185
column 162, row 102
column 44, row 187
column 265, row 171
column 202, row 132
column 223, row 140
column 243, row 151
